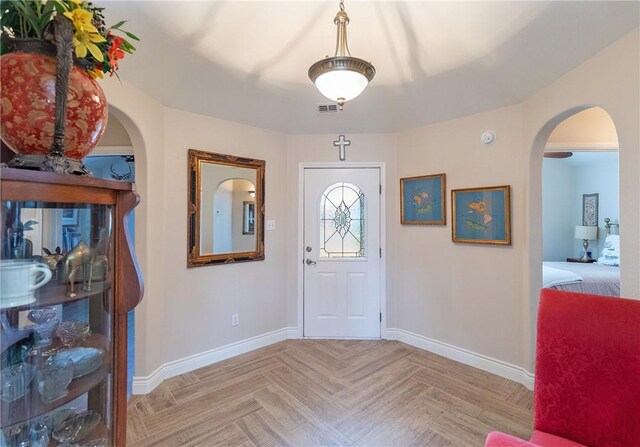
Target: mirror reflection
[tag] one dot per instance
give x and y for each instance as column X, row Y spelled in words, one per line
column 225, row 194
column 248, row 216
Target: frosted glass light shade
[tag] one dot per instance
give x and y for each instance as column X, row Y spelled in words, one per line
column 341, row 84
column 586, row 232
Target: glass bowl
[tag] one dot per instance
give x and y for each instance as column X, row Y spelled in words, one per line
column 72, row 332
column 26, row 435
column 42, row 315
column 45, row 323
column 58, row 418
column 45, row 332
column 15, row 381
column 77, row 427
column 54, row 377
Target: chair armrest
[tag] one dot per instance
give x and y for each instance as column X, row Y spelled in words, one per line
column 498, row 439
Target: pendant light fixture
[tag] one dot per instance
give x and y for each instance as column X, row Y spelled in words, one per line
column 342, row 77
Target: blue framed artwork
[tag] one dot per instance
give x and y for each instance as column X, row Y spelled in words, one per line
column 481, row 215
column 422, row 200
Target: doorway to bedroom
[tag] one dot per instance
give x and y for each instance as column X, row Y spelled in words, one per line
column 580, row 205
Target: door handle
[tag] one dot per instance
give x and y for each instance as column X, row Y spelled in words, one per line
column 310, row 262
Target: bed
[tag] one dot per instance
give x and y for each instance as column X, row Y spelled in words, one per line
column 600, row 278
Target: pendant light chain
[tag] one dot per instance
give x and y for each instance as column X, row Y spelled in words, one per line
column 341, row 5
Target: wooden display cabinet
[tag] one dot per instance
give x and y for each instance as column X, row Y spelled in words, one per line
column 42, row 211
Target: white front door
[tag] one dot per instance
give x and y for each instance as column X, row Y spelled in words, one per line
column 342, row 252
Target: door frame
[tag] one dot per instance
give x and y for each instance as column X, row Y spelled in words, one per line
column 382, row 281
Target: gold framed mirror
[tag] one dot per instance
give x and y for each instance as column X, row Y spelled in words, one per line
column 225, row 209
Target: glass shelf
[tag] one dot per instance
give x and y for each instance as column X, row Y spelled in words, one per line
column 54, row 294
column 58, row 257
column 31, row 406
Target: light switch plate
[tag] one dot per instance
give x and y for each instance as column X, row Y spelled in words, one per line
column 271, row 225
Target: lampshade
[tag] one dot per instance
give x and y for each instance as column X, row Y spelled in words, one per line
column 341, row 85
column 586, row 232
column 342, row 77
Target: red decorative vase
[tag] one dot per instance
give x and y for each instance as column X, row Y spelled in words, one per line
column 27, row 107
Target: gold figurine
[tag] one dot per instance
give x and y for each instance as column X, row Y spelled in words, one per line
column 77, row 261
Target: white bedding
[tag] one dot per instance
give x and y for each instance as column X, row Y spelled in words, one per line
column 597, row 279
column 552, row 276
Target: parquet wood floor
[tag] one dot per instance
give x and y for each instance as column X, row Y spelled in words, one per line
column 330, row 393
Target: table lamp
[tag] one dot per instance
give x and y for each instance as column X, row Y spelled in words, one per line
column 586, row 233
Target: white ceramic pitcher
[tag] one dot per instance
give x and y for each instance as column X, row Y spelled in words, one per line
column 19, row 278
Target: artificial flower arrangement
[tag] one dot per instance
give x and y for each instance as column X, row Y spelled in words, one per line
column 97, row 49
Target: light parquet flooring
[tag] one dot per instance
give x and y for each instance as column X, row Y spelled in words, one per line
column 330, row 393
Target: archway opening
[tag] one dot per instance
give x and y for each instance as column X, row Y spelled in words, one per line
column 233, row 219
column 582, row 129
column 114, row 159
column 580, row 187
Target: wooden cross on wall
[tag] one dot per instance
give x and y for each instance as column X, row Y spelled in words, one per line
column 342, row 143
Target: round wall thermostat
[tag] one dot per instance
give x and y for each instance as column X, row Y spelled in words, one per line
column 488, row 137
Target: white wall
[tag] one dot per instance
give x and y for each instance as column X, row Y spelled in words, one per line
column 188, row 311
column 461, row 294
column 608, row 80
column 563, row 184
column 242, row 242
column 200, row 301
column 143, row 119
column 596, row 172
column 479, row 298
column 217, row 219
column 558, row 209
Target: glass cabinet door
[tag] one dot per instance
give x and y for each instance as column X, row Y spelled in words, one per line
column 57, row 324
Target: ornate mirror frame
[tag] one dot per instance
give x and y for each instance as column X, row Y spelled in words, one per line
column 196, row 160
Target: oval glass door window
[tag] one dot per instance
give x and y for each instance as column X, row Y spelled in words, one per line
column 342, row 222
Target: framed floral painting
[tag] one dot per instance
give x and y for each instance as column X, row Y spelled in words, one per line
column 481, row 215
column 422, row 200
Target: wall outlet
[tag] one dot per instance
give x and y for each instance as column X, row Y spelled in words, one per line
column 235, row 319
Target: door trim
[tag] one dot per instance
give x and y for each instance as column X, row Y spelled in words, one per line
column 382, row 281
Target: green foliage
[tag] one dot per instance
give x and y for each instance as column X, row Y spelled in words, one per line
column 27, row 18
column 23, row 19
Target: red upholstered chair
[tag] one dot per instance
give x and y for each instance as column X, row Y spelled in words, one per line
column 587, row 383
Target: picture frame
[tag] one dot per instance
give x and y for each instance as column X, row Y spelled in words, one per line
column 590, row 209
column 248, row 217
column 481, row 215
column 69, row 217
column 422, row 200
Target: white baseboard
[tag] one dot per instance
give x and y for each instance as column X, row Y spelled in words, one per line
column 489, row 364
column 292, row 333
column 146, row 384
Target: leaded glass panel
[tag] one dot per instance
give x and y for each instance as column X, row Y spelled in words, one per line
column 342, row 208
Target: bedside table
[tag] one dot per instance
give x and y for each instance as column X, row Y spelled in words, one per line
column 590, row 261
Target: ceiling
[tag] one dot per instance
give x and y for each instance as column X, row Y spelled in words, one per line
column 247, row 61
column 585, row 159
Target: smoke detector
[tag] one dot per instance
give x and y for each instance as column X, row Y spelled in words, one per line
column 488, row 137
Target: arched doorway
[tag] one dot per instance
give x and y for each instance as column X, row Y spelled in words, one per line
column 229, row 233
column 535, row 254
column 114, row 159
column 580, row 169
